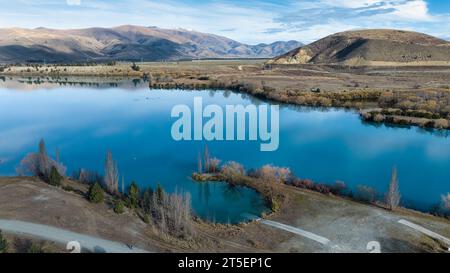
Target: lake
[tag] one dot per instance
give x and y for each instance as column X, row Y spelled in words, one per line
column 134, row 122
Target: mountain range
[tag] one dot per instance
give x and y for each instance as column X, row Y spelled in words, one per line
column 131, row 43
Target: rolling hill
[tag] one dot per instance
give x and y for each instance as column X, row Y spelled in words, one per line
column 371, row 47
column 125, row 43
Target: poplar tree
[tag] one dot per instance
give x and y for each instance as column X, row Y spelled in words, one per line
column 393, row 195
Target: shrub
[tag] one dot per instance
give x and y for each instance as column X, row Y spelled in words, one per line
column 133, row 195
column 96, row 194
column 339, row 188
column 72, row 189
column 378, row 118
column 322, row 188
column 366, row 194
column 146, row 219
column 55, row 178
column 272, row 173
column 232, row 169
column 275, row 204
column 119, row 206
column 3, row 244
column 441, row 124
column 135, row 67
column 35, row 249
column 146, row 201
column 160, row 193
column 304, row 184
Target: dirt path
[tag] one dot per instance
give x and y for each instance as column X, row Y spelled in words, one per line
column 297, row 231
column 426, row 232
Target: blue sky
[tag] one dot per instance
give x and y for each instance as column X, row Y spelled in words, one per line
column 249, row 21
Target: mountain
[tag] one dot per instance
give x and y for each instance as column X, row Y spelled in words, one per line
column 125, row 43
column 276, row 48
column 372, row 47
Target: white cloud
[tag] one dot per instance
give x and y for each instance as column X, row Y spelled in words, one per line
column 331, row 16
column 353, row 4
column 413, row 10
column 398, row 9
column 73, row 2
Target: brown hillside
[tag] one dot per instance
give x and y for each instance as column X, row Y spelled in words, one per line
column 372, row 47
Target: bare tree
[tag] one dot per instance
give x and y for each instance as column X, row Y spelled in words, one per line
column 275, row 174
column 206, row 158
column 39, row 164
column 273, row 177
column 232, row 169
column 393, row 195
column 199, row 163
column 123, row 184
column 88, row 177
column 178, row 212
column 111, row 179
column 57, row 155
column 214, row 164
column 187, row 209
column 172, row 214
column 44, row 166
column 446, row 201
column 284, row 174
column 29, row 165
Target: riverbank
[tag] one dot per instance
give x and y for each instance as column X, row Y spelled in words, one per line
column 414, row 92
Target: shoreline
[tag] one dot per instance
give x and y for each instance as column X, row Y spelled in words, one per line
column 323, row 189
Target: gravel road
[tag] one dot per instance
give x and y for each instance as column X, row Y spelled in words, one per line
column 62, row 236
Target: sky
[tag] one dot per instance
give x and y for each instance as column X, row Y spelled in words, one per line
column 248, row 21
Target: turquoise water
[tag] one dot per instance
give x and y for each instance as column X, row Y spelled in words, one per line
column 135, row 124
